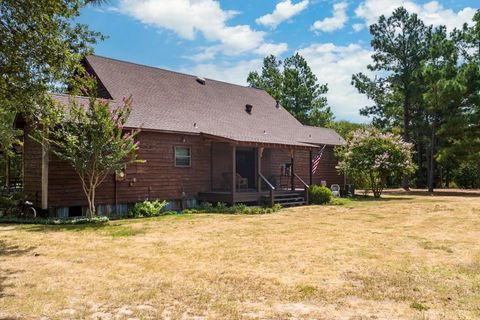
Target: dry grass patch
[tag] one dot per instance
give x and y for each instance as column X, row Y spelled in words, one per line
column 403, row 257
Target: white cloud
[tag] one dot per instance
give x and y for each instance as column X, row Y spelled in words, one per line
column 267, row 49
column 431, row 12
column 337, row 21
column 236, row 73
column 358, row 27
column 335, row 65
column 189, row 17
column 331, row 64
column 284, row 10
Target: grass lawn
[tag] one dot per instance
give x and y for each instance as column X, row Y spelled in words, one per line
column 402, row 257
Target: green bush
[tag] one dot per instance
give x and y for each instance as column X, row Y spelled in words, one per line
column 466, row 176
column 6, row 203
column 148, row 209
column 320, row 194
column 240, row 208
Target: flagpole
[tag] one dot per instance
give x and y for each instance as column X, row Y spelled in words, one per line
column 311, row 168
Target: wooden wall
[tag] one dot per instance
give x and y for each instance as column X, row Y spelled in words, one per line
column 326, row 170
column 158, row 178
column 32, row 168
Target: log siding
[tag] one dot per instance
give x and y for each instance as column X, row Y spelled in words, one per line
column 158, row 177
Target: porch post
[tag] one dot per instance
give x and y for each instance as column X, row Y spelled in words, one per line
column 311, row 168
column 259, row 168
column 292, row 170
column 234, row 172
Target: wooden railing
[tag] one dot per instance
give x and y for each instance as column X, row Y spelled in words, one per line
column 306, row 188
column 270, row 187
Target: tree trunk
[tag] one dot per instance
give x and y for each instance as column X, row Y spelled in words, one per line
column 478, row 173
column 7, row 172
column 431, row 165
column 89, row 191
column 92, row 205
column 406, row 133
column 419, row 162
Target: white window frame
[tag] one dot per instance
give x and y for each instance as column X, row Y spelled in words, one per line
column 189, row 157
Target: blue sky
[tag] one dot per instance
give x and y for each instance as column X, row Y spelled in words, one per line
column 226, row 39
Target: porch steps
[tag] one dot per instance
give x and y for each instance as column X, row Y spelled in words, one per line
column 288, row 198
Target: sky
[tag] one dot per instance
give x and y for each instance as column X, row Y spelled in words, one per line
column 226, row 39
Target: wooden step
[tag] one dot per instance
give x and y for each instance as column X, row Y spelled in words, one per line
column 288, row 199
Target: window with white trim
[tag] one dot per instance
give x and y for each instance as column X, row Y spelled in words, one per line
column 183, row 157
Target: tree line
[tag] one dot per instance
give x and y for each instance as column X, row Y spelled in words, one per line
column 429, row 91
column 426, row 87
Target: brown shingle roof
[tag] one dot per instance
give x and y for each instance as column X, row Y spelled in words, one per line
column 172, row 101
column 328, row 136
column 64, row 99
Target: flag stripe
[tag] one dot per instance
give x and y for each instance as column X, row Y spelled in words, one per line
column 316, row 160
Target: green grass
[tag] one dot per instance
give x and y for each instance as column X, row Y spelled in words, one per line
column 123, row 231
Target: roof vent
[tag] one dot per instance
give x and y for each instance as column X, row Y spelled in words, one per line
column 278, row 104
column 201, row 80
column 248, row 108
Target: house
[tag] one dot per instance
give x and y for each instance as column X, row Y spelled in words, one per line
column 201, row 139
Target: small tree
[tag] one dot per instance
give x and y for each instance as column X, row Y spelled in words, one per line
column 373, row 156
column 92, row 140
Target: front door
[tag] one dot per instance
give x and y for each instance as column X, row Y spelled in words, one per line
column 246, row 167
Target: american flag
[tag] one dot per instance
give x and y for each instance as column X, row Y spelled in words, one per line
column 316, row 159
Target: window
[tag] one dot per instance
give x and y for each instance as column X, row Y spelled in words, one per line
column 182, row 157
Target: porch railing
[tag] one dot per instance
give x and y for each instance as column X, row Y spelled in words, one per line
column 271, row 188
column 306, row 188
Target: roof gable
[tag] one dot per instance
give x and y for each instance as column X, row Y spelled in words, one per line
column 171, row 101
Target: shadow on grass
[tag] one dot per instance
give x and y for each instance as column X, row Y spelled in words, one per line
column 64, row 227
column 437, row 192
column 363, row 198
column 6, row 274
column 370, row 198
column 13, row 250
column 115, row 223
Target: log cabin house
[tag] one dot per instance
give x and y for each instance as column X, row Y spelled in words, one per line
column 202, row 140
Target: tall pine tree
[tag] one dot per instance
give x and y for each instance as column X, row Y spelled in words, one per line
column 293, row 84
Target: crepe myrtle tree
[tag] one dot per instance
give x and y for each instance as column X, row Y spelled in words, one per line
column 91, row 138
column 373, row 156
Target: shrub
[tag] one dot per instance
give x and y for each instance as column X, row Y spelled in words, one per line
column 466, row 175
column 6, row 203
column 376, row 157
column 240, row 208
column 148, row 209
column 320, row 194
